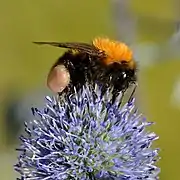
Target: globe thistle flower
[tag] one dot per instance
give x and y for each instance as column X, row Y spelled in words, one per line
column 87, row 136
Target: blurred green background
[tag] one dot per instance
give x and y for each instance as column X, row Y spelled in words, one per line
column 24, row 66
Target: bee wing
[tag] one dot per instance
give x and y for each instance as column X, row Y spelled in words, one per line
column 87, row 48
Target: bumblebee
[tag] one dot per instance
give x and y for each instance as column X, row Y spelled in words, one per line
column 107, row 62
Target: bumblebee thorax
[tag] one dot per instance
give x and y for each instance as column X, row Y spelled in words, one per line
column 115, row 52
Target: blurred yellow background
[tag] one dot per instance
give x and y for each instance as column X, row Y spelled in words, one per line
column 24, row 65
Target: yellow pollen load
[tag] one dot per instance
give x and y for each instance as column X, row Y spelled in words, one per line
column 115, row 51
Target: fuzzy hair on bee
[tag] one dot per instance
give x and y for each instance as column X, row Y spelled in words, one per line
column 105, row 61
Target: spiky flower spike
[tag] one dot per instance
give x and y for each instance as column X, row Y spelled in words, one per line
column 86, row 137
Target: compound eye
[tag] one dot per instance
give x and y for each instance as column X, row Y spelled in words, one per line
column 58, row 78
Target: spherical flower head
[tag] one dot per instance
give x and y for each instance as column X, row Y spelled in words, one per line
column 87, row 136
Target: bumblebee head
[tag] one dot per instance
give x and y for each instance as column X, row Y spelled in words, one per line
column 115, row 52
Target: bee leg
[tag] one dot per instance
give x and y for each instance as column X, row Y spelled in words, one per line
column 133, row 92
column 60, row 96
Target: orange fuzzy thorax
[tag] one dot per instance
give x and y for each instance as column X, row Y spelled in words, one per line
column 115, row 51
